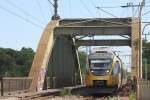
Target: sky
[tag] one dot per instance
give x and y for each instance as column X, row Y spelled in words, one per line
column 22, row 21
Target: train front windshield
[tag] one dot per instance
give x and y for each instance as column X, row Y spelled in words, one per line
column 100, row 64
column 100, row 67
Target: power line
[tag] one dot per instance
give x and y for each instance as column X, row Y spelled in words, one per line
column 62, row 10
column 123, row 6
column 42, row 13
column 146, row 13
column 51, row 3
column 69, row 2
column 86, row 7
column 23, row 11
column 136, row 11
column 106, row 12
column 100, row 8
column 94, row 5
column 123, row 13
column 21, row 17
column 55, row 6
column 128, row 12
column 112, row 7
column 133, row 6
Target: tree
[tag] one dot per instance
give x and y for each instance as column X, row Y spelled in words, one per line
column 7, row 62
column 82, row 58
column 15, row 63
column 146, row 55
column 24, row 60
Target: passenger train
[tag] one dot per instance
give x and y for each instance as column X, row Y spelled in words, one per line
column 104, row 69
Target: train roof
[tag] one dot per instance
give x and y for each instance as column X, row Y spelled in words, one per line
column 102, row 50
column 101, row 56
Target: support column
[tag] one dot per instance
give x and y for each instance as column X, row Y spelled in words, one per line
column 135, row 47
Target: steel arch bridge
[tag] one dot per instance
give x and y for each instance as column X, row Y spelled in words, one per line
column 57, row 52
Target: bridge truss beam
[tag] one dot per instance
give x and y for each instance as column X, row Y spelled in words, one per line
column 57, row 55
column 93, row 30
column 103, row 43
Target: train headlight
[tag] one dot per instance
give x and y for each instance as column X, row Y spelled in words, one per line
column 92, row 71
column 107, row 71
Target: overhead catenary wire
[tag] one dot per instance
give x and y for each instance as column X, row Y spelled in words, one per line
column 83, row 21
column 112, row 7
column 146, row 13
column 100, row 8
column 136, row 11
column 86, row 7
column 128, row 12
column 113, row 22
column 106, row 12
column 122, row 6
column 21, row 17
column 92, row 2
column 41, row 10
column 69, row 8
column 51, row 3
column 23, row 11
column 122, row 13
column 62, row 6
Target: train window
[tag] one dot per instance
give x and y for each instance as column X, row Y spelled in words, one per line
column 100, row 63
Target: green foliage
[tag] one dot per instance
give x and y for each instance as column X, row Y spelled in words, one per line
column 65, row 92
column 18, row 63
column 146, row 55
column 15, row 63
column 146, row 50
column 82, row 58
column 132, row 96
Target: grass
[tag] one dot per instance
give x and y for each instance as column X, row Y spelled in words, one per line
column 65, row 92
column 132, row 96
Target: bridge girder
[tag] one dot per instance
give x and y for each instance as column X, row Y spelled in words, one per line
column 68, row 28
column 93, row 30
column 95, row 21
column 103, row 43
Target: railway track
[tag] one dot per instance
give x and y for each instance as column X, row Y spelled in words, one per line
column 49, row 93
column 67, row 93
column 75, row 97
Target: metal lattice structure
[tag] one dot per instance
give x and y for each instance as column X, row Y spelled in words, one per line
column 57, row 52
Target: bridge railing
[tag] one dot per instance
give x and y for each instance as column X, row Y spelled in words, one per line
column 11, row 84
column 22, row 84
